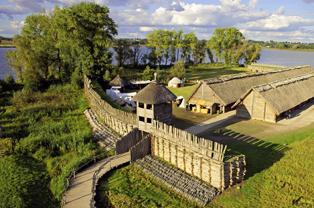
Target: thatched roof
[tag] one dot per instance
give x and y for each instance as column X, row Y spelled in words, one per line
column 118, row 81
column 285, row 94
column 230, row 88
column 154, row 93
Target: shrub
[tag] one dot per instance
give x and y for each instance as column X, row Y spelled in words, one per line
column 178, row 70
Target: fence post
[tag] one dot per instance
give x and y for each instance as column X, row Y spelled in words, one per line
column 68, row 182
column 74, row 172
column 94, row 159
column 63, row 197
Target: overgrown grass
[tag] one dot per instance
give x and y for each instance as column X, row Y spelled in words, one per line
column 286, row 183
column 131, row 187
column 51, row 128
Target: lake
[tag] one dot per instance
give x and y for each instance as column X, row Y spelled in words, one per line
column 277, row 57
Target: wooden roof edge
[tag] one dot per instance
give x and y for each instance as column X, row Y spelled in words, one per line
column 242, row 98
column 202, row 82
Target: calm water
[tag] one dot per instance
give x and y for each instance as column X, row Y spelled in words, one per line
column 278, row 57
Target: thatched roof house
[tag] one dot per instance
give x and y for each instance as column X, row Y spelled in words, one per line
column 118, row 81
column 225, row 91
column 154, row 93
column 154, row 102
column 273, row 101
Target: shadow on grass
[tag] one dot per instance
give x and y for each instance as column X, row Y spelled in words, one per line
column 102, row 198
column 259, row 154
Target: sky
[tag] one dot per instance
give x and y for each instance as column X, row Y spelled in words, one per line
column 277, row 20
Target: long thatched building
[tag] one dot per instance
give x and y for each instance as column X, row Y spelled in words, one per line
column 273, row 101
column 222, row 93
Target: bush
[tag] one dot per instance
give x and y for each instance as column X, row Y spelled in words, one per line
column 9, row 79
column 148, row 73
column 178, row 70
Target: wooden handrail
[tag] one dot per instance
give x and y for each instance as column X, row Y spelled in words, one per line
column 74, row 171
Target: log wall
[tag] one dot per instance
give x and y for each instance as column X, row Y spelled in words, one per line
column 128, row 141
column 141, row 149
column 120, row 121
column 254, row 107
column 197, row 156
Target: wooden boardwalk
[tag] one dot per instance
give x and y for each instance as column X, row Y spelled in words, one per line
column 79, row 194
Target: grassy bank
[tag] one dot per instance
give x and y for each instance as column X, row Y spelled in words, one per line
column 131, row 187
column 48, row 129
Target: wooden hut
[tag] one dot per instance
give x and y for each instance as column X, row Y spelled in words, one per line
column 154, row 102
column 118, row 82
column 273, row 101
column 225, row 91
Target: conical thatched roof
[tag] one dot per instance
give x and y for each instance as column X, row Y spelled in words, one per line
column 154, row 93
column 118, row 81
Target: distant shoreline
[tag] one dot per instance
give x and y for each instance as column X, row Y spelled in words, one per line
column 290, row 49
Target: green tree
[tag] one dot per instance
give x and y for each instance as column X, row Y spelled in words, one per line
column 15, row 63
column 148, row 73
column 64, row 44
column 123, row 51
column 253, row 53
column 178, row 70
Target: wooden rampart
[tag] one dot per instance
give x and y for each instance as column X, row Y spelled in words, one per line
column 120, row 121
column 197, row 156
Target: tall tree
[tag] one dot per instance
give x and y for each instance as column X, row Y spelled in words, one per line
column 65, row 43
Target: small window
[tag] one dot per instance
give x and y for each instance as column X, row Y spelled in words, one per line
column 149, row 106
column 141, row 105
column 149, row 120
column 141, row 118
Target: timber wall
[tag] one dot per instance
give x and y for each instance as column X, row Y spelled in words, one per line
column 197, row 156
column 128, row 141
column 141, row 149
column 120, row 121
column 205, row 93
column 254, row 107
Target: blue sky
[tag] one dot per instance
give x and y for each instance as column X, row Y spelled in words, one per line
column 278, row 20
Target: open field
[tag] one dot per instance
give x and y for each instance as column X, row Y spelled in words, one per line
column 7, row 44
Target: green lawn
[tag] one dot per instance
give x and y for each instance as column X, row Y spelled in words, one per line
column 183, row 119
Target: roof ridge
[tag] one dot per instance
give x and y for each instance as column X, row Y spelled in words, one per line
column 244, row 75
column 275, row 84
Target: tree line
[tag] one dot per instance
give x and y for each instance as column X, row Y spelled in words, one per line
column 228, row 45
column 61, row 45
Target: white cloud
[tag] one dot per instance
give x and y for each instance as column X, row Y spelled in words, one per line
column 280, row 11
column 280, row 22
column 16, row 24
column 253, row 3
column 147, row 29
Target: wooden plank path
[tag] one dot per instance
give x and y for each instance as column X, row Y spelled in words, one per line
column 79, row 194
